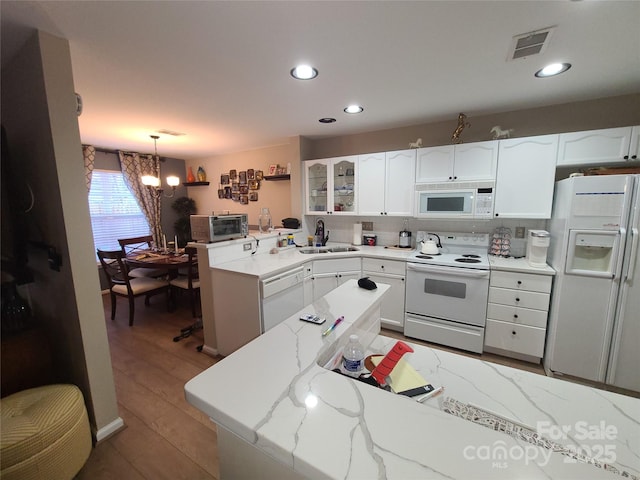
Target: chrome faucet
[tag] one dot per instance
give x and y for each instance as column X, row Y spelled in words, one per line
column 320, row 232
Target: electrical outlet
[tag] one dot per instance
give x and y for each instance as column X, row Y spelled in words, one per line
column 246, row 247
column 519, row 232
column 368, row 226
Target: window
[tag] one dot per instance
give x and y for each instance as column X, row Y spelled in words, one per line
column 114, row 211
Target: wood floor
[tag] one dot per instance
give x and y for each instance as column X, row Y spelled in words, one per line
column 165, row 437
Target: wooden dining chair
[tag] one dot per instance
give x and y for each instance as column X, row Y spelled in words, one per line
column 122, row 284
column 190, row 281
column 140, row 244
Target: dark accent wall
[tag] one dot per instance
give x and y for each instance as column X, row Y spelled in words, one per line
column 607, row 112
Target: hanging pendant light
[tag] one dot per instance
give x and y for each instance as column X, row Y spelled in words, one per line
column 153, row 183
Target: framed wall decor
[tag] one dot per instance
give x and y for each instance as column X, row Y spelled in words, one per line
column 254, row 184
column 244, row 199
column 235, row 197
column 259, row 175
column 227, row 192
column 233, row 174
column 224, row 179
column 273, row 169
column 242, row 177
column 253, row 196
column 244, row 189
column 235, row 187
column 251, row 174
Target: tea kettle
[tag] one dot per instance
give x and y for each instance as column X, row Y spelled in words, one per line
column 429, row 246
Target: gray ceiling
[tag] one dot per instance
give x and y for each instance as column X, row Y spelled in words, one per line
column 219, row 71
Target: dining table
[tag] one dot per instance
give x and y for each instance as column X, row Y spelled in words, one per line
column 169, row 260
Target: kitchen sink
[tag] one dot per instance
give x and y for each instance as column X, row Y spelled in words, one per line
column 313, row 250
column 309, row 250
column 343, row 249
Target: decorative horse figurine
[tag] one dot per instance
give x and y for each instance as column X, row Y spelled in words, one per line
column 498, row 132
column 416, row 144
column 462, row 123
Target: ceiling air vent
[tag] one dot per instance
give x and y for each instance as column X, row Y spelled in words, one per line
column 531, row 43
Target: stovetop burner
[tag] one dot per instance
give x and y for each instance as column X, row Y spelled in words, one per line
column 466, row 259
column 459, row 250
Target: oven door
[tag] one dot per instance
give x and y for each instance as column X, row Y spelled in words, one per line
column 450, row 293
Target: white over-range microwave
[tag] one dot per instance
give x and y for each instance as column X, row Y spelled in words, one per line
column 462, row 200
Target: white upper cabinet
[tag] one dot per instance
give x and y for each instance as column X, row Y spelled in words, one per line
column 330, row 186
column 457, row 163
column 599, row 147
column 386, row 183
column 526, row 177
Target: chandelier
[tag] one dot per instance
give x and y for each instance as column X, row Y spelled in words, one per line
column 153, row 183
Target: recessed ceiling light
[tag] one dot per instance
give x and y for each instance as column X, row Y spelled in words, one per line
column 354, row 109
column 304, row 72
column 553, row 69
column 327, row 120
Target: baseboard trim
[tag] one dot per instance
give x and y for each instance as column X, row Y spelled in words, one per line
column 212, row 352
column 109, row 430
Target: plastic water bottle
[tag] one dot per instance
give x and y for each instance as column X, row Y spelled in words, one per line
column 353, row 357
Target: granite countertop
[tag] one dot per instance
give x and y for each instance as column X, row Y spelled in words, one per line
column 267, row 264
column 520, row 265
column 274, row 394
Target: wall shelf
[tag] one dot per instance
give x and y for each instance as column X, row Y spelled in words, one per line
column 277, row 177
column 195, row 184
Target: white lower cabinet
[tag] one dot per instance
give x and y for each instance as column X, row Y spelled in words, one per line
column 307, row 291
column 517, row 314
column 391, row 272
column 329, row 274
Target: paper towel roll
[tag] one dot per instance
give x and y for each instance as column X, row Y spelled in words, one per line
column 357, row 234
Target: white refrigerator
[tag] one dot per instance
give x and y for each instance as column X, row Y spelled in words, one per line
column 594, row 319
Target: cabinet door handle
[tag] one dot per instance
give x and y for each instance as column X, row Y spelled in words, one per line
column 515, row 316
column 450, row 178
column 513, row 333
column 517, row 299
column 634, row 157
column 626, row 157
column 519, row 282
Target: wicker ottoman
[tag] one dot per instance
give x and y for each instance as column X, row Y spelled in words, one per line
column 44, row 433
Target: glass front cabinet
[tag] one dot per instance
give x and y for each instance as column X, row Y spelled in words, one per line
column 330, row 186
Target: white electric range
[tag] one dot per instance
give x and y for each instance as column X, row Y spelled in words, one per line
column 446, row 294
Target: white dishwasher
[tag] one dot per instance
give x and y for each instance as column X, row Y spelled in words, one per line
column 282, row 296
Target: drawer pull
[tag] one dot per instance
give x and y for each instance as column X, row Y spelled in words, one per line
column 519, row 282
column 515, row 316
column 517, row 299
column 513, row 333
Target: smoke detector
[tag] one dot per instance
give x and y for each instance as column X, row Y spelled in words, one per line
column 531, row 43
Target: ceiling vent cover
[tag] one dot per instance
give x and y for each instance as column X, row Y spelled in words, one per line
column 531, row 43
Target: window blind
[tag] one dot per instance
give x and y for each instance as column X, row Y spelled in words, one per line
column 114, row 211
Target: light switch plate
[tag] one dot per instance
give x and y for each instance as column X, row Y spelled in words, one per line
column 246, row 247
column 519, row 232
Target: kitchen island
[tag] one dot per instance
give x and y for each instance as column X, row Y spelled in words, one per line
column 280, row 414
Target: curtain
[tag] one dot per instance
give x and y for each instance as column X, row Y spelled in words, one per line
column 134, row 166
column 89, row 154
